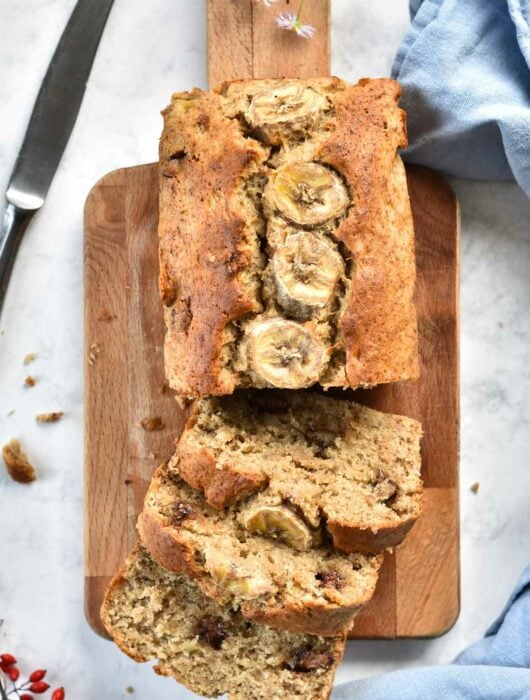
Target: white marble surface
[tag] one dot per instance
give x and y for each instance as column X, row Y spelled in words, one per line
column 148, row 50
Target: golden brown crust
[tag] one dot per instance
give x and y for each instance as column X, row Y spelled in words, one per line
column 207, row 237
column 379, row 324
column 165, row 547
column 199, row 468
column 310, row 619
column 350, row 538
column 203, row 156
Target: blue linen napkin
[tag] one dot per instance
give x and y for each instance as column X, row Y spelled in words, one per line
column 465, row 69
column 495, row 668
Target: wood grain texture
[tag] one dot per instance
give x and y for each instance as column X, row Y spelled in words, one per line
column 244, row 41
column 418, row 593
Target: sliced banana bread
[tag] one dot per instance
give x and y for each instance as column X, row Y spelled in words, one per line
column 319, row 461
column 287, row 583
column 154, row 614
column 286, row 237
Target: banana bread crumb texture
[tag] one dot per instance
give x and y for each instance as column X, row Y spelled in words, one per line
column 309, row 460
column 311, row 589
column 286, row 238
column 156, row 615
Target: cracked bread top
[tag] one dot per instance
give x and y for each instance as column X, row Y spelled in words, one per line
column 337, row 465
column 286, row 237
column 153, row 614
column 314, row 589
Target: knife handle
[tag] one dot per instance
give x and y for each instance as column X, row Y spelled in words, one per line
column 15, row 223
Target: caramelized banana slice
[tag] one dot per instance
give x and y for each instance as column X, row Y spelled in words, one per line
column 236, row 577
column 278, row 522
column 284, row 354
column 306, row 272
column 287, row 106
column 307, row 193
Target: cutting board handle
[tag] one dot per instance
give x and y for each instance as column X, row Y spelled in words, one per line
column 244, row 41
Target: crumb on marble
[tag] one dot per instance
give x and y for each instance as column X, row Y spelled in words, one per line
column 30, row 380
column 475, row 487
column 10, row 413
column 29, row 357
column 129, row 689
column 52, row 417
column 500, row 324
column 151, row 424
column 17, row 463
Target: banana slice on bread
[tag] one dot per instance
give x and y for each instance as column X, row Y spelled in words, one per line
column 306, row 271
column 278, row 522
column 308, row 194
column 288, row 105
column 284, row 354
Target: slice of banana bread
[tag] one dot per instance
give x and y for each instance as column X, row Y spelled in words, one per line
column 290, row 582
column 154, row 614
column 332, row 463
column 286, row 237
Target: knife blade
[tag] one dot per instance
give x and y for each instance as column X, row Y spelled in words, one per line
column 50, row 125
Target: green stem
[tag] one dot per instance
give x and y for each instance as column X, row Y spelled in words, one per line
column 299, row 11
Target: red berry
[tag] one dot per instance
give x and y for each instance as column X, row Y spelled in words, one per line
column 39, row 687
column 26, row 696
column 13, row 673
column 58, row 694
column 37, row 675
column 8, row 659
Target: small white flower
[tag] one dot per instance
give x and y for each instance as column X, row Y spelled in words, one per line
column 291, row 22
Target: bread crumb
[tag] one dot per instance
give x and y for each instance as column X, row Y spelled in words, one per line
column 29, row 357
column 50, row 417
column 30, row 381
column 17, row 463
column 150, row 424
column 127, row 482
column 10, row 413
column 129, row 689
column 106, row 315
column 475, row 487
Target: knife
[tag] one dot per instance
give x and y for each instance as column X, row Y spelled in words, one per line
column 50, row 126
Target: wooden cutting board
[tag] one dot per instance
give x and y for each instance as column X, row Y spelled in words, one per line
column 418, row 592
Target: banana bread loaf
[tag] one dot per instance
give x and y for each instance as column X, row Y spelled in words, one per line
column 324, row 462
column 286, row 582
column 154, row 614
column 286, row 237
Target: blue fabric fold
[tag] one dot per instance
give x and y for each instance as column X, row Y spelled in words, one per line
column 495, row 668
column 465, row 70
